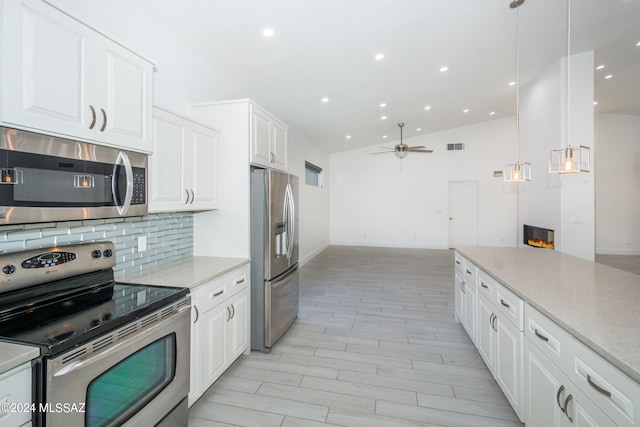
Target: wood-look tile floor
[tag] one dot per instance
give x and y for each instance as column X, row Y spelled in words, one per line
column 375, row 344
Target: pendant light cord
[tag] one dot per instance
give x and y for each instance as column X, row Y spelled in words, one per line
column 569, row 74
column 517, row 85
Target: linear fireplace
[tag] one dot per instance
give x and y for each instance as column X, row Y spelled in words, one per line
column 538, row 237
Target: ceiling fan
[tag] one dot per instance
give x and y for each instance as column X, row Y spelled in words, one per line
column 402, row 149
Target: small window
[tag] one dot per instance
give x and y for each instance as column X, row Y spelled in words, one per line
column 312, row 175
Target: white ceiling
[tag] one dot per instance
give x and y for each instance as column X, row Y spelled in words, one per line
column 326, row 48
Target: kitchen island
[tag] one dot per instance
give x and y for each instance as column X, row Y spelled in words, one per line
column 596, row 304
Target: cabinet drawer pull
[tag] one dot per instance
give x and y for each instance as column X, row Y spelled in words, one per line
column 483, row 285
column 542, row 337
column 93, row 117
column 566, row 409
column 195, row 307
column 217, row 294
column 468, row 271
column 104, row 117
column 239, row 281
column 560, row 390
column 597, row 387
column 503, row 302
column 458, row 262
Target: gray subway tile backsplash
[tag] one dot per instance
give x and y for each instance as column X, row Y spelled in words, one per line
column 169, row 238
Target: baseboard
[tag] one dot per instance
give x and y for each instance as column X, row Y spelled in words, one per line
column 313, row 254
column 609, row 251
column 388, row 245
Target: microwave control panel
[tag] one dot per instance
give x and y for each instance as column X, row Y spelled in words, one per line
column 139, row 187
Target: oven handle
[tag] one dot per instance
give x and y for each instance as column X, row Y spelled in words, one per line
column 131, row 340
column 123, row 158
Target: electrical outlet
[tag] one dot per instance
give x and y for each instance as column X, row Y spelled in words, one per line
column 142, row 243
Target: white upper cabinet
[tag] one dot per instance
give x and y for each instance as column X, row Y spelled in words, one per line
column 268, row 140
column 184, row 167
column 62, row 77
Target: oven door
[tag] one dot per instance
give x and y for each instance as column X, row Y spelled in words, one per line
column 136, row 381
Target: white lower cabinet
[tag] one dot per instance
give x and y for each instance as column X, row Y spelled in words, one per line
column 466, row 304
column 220, row 328
column 15, row 388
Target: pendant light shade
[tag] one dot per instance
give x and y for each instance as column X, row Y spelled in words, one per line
column 518, row 171
column 569, row 159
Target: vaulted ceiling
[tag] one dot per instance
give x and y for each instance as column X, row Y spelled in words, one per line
column 327, row 49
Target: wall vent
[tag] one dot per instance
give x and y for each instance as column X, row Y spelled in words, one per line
column 455, row 147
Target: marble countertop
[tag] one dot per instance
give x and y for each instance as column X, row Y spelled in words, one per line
column 598, row 305
column 13, row 355
column 189, row 272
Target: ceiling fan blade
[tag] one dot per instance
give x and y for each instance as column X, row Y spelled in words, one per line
column 416, row 146
column 384, row 152
column 420, row 150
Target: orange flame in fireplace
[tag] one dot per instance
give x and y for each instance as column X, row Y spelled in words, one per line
column 539, row 243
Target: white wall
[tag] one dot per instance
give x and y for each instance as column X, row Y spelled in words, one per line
column 313, row 202
column 564, row 203
column 379, row 200
column 618, row 184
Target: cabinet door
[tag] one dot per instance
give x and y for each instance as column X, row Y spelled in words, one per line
column 485, row 338
column 215, row 330
column 203, row 166
column 166, row 183
column 470, row 304
column 585, row 413
column 260, row 138
column 459, row 298
column 546, row 389
column 279, row 145
column 124, row 86
column 508, row 369
column 195, row 369
column 239, row 325
column 48, row 70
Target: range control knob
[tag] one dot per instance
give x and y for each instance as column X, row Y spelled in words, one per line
column 96, row 254
column 107, row 253
column 9, row 269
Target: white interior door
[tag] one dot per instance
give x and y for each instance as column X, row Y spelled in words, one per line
column 463, row 213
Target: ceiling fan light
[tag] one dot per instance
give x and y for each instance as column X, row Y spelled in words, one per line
column 517, row 172
column 401, row 154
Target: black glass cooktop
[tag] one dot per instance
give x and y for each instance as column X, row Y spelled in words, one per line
column 57, row 317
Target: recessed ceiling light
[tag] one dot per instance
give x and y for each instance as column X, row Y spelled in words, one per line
column 428, row 107
column 383, row 118
column 638, row 44
column 383, row 104
column 492, row 113
column 512, row 83
column 268, row 32
column 419, row 129
column 379, row 56
column 608, row 76
column 466, row 110
column 348, row 136
column 443, row 69
column 595, row 102
column 384, row 136
column 599, row 67
column 325, row 99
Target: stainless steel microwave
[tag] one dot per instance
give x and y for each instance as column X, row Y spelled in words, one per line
column 45, row 178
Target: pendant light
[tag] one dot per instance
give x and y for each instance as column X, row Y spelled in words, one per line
column 518, row 171
column 569, row 159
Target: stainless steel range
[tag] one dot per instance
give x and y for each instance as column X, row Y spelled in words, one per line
column 115, row 354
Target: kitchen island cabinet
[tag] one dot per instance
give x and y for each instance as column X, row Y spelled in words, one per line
column 62, row 77
column 580, row 362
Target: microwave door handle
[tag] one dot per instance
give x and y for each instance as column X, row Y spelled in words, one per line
column 123, row 159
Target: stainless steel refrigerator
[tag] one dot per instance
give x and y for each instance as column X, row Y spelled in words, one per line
column 274, row 256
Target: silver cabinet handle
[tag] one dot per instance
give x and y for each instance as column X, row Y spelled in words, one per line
column 503, row 302
column 104, row 118
column 93, row 117
column 542, row 337
column 457, row 262
column 241, row 280
column 228, row 313
column 217, row 294
column 566, row 409
column 187, row 201
column 560, row 390
column 233, row 311
column 195, row 307
column 483, row 285
column 493, row 323
column 193, row 195
column 468, row 272
column 598, row 388
column 462, row 287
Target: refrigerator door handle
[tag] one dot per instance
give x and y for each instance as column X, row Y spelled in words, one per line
column 292, row 219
